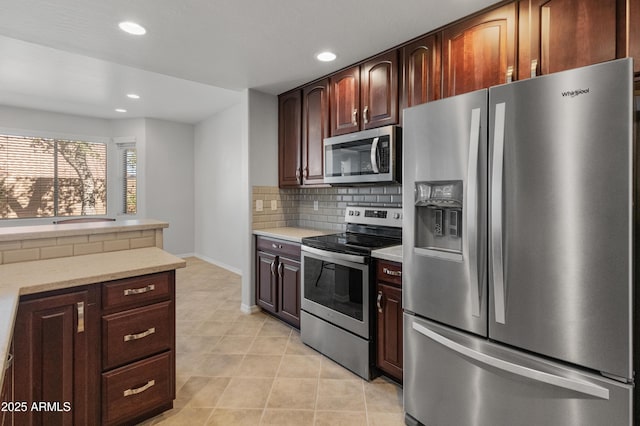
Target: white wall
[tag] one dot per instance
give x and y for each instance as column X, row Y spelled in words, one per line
column 51, row 122
column 263, row 139
column 169, row 181
column 220, row 189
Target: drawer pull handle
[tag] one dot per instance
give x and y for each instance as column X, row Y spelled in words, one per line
column 276, row 246
column 142, row 335
column 141, row 389
column 392, row 273
column 80, row 309
column 132, row 291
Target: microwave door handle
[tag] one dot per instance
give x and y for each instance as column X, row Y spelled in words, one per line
column 374, row 155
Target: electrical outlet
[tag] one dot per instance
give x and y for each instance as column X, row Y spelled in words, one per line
column 259, row 206
column 274, row 205
column 315, row 205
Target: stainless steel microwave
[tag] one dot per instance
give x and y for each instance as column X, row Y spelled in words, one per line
column 369, row 156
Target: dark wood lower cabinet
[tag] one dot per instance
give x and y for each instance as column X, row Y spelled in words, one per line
column 56, row 345
column 70, row 370
column 278, row 278
column 389, row 319
column 6, row 394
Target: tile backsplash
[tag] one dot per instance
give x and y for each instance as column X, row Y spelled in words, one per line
column 317, row 208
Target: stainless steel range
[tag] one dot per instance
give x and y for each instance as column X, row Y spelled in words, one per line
column 337, row 287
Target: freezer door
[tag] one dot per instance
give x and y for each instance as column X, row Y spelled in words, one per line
column 561, row 216
column 444, row 208
column 453, row 378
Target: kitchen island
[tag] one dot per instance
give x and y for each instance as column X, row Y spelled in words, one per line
column 96, row 272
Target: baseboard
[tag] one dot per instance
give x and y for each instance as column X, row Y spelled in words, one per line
column 220, row 264
column 185, row 255
column 246, row 309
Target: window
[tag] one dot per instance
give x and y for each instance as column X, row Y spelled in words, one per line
column 41, row 177
column 130, row 201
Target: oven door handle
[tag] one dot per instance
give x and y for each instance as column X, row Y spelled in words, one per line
column 336, row 256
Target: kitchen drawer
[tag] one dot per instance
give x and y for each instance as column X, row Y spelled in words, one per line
column 130, row 335
column 137, row 291
column 278, row 247
column 136, row 390
column 389, row 272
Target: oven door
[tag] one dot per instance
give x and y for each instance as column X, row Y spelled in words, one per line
column 335, row 288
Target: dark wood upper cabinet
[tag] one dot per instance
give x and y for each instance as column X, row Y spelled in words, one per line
column 345, row 101
column 479, row 52
column 365, row 96
column 557, row 35
column 315, row 127
column 421, row 71
column 289, row 138
column 379, row 91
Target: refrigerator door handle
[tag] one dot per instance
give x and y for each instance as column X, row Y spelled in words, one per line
column 499, row 290
column 472, row 212
column 576, row 385
column 374, row 155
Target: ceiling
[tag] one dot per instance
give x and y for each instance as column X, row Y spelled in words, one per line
column 69, row 55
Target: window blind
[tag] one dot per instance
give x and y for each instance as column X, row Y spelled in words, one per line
column 42, row 177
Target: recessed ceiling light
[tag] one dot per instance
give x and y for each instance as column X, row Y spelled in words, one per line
column 121, row 110
column 326, row 56
column 132, row 28
column 133, row 96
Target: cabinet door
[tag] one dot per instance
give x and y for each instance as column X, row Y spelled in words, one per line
column 479, row 52
column 315, row 127
column 289, row 292
column 389, row 345
column 421, row 71
column 557, row 35
column 56, row 356
column 379, row 91
column 345, row 101
column 6, row 395
column 266, row 281
column 290, row 117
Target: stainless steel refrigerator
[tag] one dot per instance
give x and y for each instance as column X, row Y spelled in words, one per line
column 518, row 253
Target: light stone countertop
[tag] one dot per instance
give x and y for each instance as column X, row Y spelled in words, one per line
column 292, row 234
column 22, row 278
column 30, row 232
column 393, row 254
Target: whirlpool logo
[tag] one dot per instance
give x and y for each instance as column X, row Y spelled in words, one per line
column 574, row 93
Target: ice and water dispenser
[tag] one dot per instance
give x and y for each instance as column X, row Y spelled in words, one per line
column 439, row 216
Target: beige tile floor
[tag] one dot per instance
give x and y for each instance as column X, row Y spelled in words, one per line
column 237, row 369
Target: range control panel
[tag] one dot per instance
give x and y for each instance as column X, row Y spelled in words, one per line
column 382, row 216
